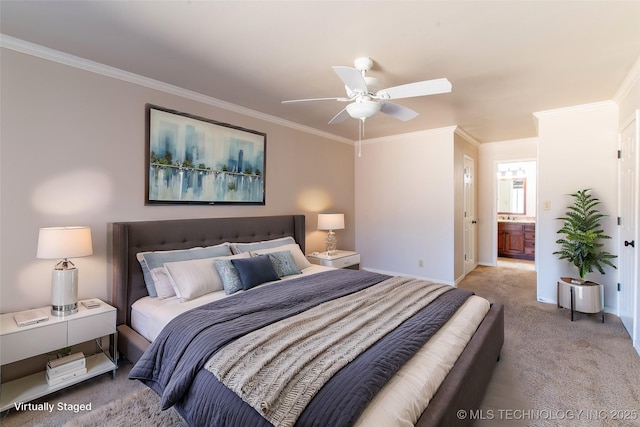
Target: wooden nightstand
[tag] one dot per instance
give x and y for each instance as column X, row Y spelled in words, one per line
column 337, row 259
column 21, row 342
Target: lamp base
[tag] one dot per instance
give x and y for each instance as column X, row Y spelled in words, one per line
column 64, row 292
column 64, row 310
column 331, row 242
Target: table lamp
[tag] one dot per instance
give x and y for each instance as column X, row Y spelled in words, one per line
column 331, row 222
column 65, row 243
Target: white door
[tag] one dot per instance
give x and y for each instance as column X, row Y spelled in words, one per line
column 628, row 245
column 469, row 216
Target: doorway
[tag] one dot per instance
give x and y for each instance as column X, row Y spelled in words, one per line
column 515, row 210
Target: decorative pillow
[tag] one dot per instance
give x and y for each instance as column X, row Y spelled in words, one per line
column 165, row 286
column 152, row 261
column 228, row 274
column 254, row 271
column 283, row 263
column 297, row 255
column 195, row 277
column 265, row 244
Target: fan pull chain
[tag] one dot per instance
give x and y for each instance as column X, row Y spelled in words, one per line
column 360, row 136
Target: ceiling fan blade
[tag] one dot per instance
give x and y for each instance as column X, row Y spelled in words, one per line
column 352, row 78
column 409, row 90
column 398, row 111
column 342, row 99
column 340, row 117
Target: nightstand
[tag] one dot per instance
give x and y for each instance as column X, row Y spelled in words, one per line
column 337, row 259
column 21, row 342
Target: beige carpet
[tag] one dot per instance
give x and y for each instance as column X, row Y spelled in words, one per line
column 552, row 372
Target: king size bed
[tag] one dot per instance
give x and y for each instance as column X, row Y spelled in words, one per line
column 371, row 360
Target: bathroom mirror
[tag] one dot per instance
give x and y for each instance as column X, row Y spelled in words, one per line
column 512, row 196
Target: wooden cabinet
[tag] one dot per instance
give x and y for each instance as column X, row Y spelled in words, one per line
column 516, row 240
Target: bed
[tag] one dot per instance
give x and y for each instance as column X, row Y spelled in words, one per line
column 462, row 388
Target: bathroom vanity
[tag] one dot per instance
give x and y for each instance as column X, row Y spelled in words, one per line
column 516, row 239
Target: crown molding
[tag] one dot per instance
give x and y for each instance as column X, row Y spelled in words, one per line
column 627, row 84
column 467, row 137
column 53, row 55
column 575, row 108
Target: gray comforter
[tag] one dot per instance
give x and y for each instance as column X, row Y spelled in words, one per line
column 173, row 365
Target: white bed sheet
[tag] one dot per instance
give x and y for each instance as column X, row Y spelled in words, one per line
column 150, row 315
column 403, row 399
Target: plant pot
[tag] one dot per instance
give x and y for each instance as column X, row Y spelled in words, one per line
column 580, row 295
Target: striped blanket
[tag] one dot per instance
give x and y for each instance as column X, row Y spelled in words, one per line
column 174, row 364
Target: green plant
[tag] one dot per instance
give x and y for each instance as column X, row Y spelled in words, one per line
column 582, row 231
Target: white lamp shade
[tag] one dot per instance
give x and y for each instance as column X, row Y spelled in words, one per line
column 64, row 242
column 330, row 221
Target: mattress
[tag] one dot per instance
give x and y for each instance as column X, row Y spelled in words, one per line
column 403, row 399
column 150, row 315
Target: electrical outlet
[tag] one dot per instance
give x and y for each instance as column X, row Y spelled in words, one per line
column 546, row 205
column 420, row 263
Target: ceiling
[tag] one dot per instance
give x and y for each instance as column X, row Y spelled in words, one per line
column 505, row 59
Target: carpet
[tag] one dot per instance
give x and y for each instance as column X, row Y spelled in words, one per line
column 141, row 408
column 554, row 371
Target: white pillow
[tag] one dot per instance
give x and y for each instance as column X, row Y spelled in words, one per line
column 296, row 253
column 196, row 277
column 152, row 262
column 165, row 286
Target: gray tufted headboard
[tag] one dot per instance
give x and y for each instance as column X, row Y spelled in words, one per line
column 129, row 238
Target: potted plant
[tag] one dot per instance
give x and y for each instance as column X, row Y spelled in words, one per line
column 581, row 245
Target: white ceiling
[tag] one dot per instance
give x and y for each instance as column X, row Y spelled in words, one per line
column 505, row 59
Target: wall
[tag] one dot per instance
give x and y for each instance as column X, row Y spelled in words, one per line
column 73, row 153
column 577, row 149
column 404, row 198
column 490, row 155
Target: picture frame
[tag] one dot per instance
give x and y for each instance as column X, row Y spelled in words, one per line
column 194, row 160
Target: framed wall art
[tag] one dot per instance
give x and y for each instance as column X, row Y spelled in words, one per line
column 192, row 160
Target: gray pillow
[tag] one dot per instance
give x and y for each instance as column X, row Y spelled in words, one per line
column 254, row 271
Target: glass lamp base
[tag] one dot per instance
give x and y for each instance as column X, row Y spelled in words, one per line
column 331, row 242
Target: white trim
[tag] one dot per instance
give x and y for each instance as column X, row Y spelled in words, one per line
column 48, row 54
column 629, row 81
column 464, row 135
column 574, row 108
column 395, row 273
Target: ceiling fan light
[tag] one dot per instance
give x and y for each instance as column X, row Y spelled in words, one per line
column 363, row 110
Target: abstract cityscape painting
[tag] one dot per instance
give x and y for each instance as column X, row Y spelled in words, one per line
column 192, row 160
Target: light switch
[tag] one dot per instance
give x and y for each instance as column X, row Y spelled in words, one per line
column 546, row 205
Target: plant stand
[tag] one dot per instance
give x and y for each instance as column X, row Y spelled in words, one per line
column 584, row 297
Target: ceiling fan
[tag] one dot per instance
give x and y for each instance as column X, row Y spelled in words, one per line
column 366, row 100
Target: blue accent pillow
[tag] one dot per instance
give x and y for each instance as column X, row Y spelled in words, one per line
column 229, row 276
column 283, row 263
column 254, row 271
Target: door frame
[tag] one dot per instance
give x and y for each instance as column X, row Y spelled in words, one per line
column 469, row 220
column 635, row 273
column 494, row 210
